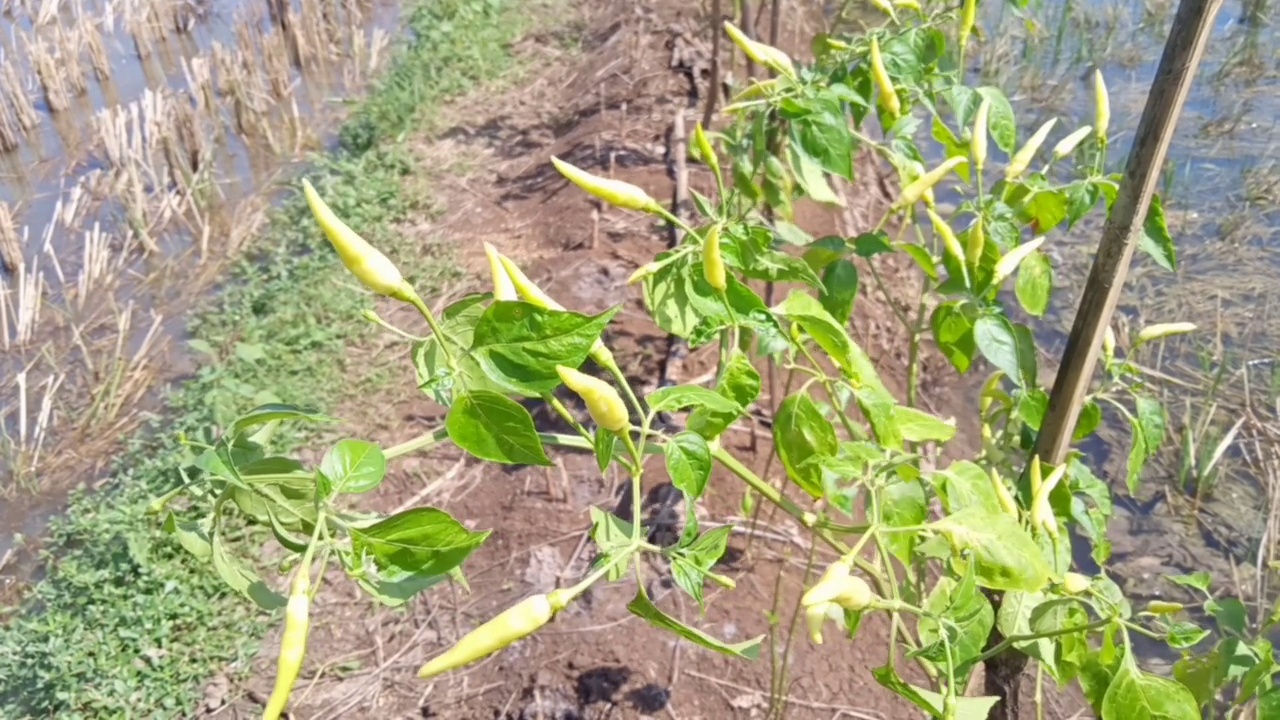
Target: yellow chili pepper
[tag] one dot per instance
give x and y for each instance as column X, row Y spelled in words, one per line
column 705, row 149
column 884, row 7
column 1067, row 144
column 712, row 261
column 1022, row 158
column 1164, row 607
column 1003, row 496
column 1074, row 583
column 1109, row 343
column 912, row 193
column 1036, row 477
column 503, row 289
column 603, row 402
column 293, row 644
column 888, row 95
column 1102, row 106
column 968, row 16
column 977, row 242
column 1163, row 330
column 532, row 294
column 978, row 143
column 373, row 269
column 615, row 192
column 767, row 55
column 514, row 623
column 949, row 242
column 1012, row 259
column 910, row 5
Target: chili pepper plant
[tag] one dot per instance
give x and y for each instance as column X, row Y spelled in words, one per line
column 971, row 560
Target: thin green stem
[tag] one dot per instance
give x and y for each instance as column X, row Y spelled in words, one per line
column 430, row 317
column 421, row 442
column 1008, row 642
column 636, row 472
column 621, row 379
column 376, row 319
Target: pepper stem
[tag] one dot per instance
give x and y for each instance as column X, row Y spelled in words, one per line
column 411, row 296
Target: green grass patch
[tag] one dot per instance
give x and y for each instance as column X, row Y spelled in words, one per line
column 125, row 623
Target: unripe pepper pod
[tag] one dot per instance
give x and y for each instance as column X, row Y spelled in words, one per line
column 1163, row 330
column 603, row 402
column 1003, row 496
column 373, row 269
column 615, row 192
column 1068, row 144
column 914, row 190
column 1109, row 343
column 814, row 617
column 885, row 7
column 978, row 143
column 968, row 16
column 837, row 586
column 1012, row 259
column 502, row 287
column 1074, row 583
column 1102, row 106
column 977, row 242
column 1023, row 157
column 1042, row 517
column 888, row 94
column 949, row 242
column 514, row 623
column 1164, row 607
column 767, row 55
column 293, row 643
column 708, row 153
column 712, row 261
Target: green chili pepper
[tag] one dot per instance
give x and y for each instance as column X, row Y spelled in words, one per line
column 1074, row 583
column 1007, row 503
column 1023, row 157
column 514, row 623
column 968, row 16
column 708, row 153
column 1163, row 330
column 888, row 94
column 712, row 261
column 1164, row 607
column 615, row 192
column 603, row 402
column 373, row 269
column 949, row 243
column 293, row 644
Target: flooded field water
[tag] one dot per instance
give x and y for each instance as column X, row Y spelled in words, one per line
column 140, row 141
column 1210, row 500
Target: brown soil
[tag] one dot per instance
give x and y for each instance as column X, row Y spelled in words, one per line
column 608, row 109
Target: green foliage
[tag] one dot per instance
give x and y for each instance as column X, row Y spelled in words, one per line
column 124, row 623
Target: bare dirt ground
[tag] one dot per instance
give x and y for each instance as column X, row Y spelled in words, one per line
column 609, row 107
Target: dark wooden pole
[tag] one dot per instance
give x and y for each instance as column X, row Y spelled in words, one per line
column 1182, row 53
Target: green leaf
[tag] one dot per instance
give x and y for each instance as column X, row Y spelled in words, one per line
column 354, row 466
column 604, row 445
column 1151, row 421
column 952, row 325
column 740, row 383
column 868, row 245
column 801, row 432
column 271, row 412
column 809, row 175
column 1047, row 209
column 1005, row 557
column 967, row 708
column 923, row 259
column 421, row 541
column 965, row 484
column 688, row 463
column 644, row 608
column 242, row 579
column 611, row 534
column 1035, row 282
column 1135, row 695
column 919, row 426
column 690, row 564
column 824, row 136
column 679, row 397
column 1199, row 580
column 495, row 428
column 1000, row 119
column 1183, row 634
column 839, row 289
column 1199, row 674
column 968, row 619
column 192, row 535
column 995, row 338
column 519, row 345
column 1156, row 240
column 1230, row 614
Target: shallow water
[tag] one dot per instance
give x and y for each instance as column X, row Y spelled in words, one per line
column 126, row 198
